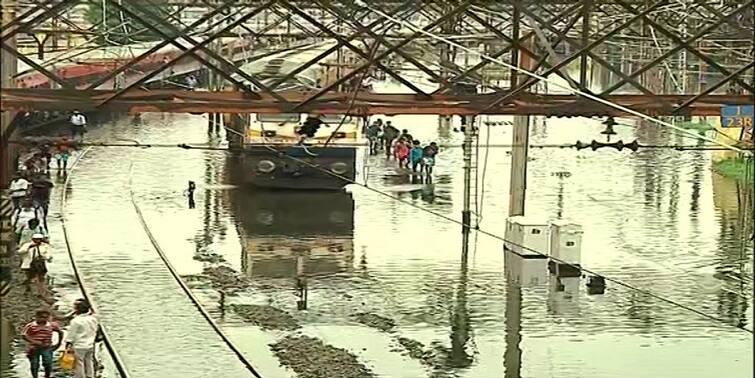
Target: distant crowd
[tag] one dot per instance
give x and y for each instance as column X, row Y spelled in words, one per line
column 408, row 152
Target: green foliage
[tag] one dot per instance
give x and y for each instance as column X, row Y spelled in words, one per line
column 700, row 127
column 123, row 29
column 735, row 168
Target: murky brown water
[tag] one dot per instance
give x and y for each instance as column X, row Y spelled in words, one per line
column 658, row 219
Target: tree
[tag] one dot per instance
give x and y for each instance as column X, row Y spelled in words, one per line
column 123, row 29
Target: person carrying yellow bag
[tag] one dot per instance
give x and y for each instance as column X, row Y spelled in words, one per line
column 81, row 338
column 66, row 360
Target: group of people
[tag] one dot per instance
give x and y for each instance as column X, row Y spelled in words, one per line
column 409, row 152
column 80, row 340
column 30, row 195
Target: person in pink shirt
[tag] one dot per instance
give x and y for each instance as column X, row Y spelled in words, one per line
column 401, row 151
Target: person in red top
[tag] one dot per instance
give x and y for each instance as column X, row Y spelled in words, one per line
column 38, row 334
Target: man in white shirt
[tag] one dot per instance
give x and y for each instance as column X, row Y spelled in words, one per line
column 81, row 336
column 78, row 124
column 19, row 187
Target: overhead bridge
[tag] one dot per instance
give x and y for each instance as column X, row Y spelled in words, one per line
column 182, row 101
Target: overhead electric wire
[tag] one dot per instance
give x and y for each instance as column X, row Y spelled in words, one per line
column 204, row 146
column 540, row 77
column 495, row 236
column 206, row 315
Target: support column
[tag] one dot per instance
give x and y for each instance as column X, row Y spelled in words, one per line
column 468, row 138
column 518, row 183
column 8, row 62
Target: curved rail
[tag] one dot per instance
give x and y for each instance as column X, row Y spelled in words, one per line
column 117, row 361
column 183, row 285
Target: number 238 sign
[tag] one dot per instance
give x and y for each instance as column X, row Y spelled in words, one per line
column 738, row 116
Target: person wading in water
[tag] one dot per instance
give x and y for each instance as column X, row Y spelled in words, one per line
column 38, row 335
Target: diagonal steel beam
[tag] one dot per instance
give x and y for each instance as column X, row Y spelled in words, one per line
column 378, row 22
column 573, row 56
column 172, row 40
column 686, row 44
column 562, row 36
column 190, row 51
column 157, row 47
column 221, row 60
column 201, row 46
column 353, row 48
column 384, row 42
column 36, row 66
column 455, row 11
column 542, row 60
column 20, row 19
column 46, row 13
column 503, row 51
column 712, row 88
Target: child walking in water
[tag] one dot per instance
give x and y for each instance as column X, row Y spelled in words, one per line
column 415, row 155
column 401, row 152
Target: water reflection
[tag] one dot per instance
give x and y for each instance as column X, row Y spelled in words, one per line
column 295, row 235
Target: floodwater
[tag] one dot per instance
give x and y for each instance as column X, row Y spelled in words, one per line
column 659, row 220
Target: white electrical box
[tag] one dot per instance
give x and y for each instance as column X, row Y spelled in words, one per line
column 526, row 236
column 566, row 241
column 525, row 251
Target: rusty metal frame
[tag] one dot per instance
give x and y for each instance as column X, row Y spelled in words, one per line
column 573, row 56
column 383, row 41
column 46, row 13
column 157, row 47
column 542, row 59
column 351, row 47
column 686, row 104
column 686, row 44
column 190, row 51
column 456, row 10
column 201, row 46
column 682, row 45
column 381, row 20
column 563, row 37
column 503, row 51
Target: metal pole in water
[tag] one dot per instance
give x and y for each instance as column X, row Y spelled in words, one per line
column 467, row 147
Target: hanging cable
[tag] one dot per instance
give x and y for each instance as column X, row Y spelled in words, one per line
column 500, row 238
column 540, row 77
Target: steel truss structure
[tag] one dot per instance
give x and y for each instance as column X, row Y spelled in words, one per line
column 669, row 57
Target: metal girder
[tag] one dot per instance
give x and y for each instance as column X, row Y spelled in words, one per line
column 683, row 45
column 36, row 66
column 191, row 50
column 157, row 47
column 201, row 46
column 178, row 101
column 541, row 59
column 503, row 51
column 459, row 8
column 353, row 48
column 686, row 104
column 383, row 41
column 563, row 37
column 577, row 54
column 46, row 13
column 381, row 20
column 686, row 45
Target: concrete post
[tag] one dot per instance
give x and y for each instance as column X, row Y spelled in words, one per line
column 9, row 63
column 518, row 183
column 468, row 137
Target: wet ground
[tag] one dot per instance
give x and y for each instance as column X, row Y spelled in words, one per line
column 388, row 290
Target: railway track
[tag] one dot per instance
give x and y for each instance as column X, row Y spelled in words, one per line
column 117, row 360
column 149, row 279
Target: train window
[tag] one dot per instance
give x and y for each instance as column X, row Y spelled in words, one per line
column 335, row 119
column 281, row 117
